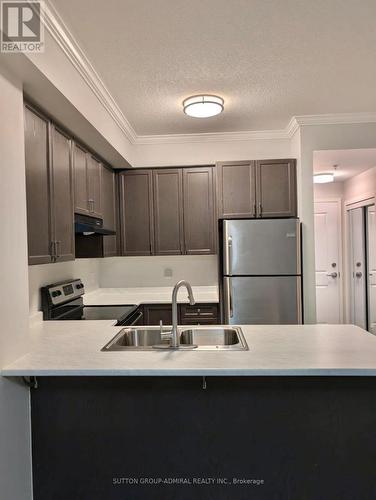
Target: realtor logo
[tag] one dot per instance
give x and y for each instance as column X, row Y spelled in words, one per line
column 22, row 29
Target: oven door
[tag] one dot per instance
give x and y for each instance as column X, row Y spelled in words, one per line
column 135, row 318
column 72, row 310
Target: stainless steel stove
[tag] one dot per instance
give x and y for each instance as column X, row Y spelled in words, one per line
column 64, row 301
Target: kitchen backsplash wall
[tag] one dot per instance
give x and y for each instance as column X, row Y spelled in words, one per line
column 125, row 272
column 158, row 270
column 86, row 269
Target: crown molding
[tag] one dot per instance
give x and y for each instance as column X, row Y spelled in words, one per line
column 248, row 135
column 66, row 41
column 336, row 119
column 71, row 48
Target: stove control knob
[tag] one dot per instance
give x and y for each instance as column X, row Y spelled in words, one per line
column 56, row 293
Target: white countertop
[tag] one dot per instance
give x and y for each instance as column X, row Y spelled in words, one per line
column 148, row 295
column 74, row 348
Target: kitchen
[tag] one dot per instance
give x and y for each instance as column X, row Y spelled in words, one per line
column 88, row 201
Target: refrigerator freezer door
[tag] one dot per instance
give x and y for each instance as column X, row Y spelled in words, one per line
column 267, row 300
column 261, row 247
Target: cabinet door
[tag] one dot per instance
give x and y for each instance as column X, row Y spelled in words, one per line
column 81, row 195
column 109, row 210
column 155, row 313
column 199, row 216
column 276, row 188
column 62, row 199
column 37, row 188
column 136, row 205
column 168, row 206
column 94, row 173
column 236, row 189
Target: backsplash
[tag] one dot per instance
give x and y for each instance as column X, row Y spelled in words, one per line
column 125, row 272
column 87, row 269
column 158, row 270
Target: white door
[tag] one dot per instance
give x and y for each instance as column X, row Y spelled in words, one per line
column 327, row 250
column 358, row 269
column 371, row 246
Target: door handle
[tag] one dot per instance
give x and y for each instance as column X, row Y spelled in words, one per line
column 229, row 254
column 230, row 297
column 333, row 275
column 228, row 300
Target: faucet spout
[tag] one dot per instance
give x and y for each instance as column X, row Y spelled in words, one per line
column 174, row 331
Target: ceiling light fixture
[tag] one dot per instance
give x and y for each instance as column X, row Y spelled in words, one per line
column 323, row 178
column 203, row 106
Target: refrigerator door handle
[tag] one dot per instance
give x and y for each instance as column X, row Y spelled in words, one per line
column 229, row 254
column 228, row 300
column 227, row 251
column 299, row 299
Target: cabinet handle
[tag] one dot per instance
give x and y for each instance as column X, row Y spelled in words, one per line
column 91, row 205
column 260, row 209
column 254, row 210
column 57, row 243
column 53, row 250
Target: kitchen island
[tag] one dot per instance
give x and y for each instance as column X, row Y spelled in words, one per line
column 294, row 417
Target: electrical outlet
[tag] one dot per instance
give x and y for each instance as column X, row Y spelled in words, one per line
column 167, row 272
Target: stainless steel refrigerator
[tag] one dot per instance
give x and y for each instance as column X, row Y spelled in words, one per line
column 261, row 271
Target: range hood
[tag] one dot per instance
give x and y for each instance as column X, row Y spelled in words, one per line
column 83, row 224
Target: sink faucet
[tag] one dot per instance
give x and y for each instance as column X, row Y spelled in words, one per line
column 174, row 331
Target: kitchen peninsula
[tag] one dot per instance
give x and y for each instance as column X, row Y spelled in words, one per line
column 301, row 399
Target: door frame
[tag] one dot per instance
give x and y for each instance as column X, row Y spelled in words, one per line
column 338, row 202
column 359, row 202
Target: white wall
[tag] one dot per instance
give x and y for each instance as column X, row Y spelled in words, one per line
column 205, row 153
column 15, row 458
column 330, row 191
column 45, row 274
column 360, row 186
column 149, row 271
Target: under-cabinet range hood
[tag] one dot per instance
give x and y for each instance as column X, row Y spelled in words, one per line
column 86, row 225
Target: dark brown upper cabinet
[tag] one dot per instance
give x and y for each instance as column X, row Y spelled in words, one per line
column 263, row 188
column 136, row 212
column 168, row 217
column 94, row 179
column 236, row 185
column 199, row 211
column 81, row 195
column 38, row 193
column 109, row 204
column 87, row 183
column 49, row 190
column 276, row 188
column 168, row 211
column 62, row 199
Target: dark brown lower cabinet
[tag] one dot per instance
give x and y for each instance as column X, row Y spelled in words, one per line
column 154, row 313
column 199, row 314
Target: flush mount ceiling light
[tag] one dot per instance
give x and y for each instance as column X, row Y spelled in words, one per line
column 203, row 106
column 323, row 178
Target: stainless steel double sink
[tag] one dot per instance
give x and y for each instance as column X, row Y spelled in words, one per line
column 151, row 338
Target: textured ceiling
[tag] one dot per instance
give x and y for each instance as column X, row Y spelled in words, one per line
column 350, row 162
column 269, row 59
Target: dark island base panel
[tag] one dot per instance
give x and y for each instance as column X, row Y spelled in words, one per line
column 131, row 438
